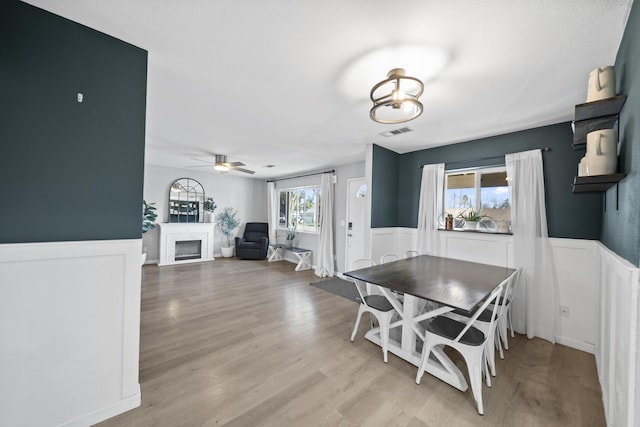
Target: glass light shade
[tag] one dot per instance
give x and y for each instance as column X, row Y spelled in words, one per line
column 395, row 100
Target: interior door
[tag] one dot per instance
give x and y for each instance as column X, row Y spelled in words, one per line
column 357, row 199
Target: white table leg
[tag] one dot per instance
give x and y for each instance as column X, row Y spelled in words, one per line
column 439, row 364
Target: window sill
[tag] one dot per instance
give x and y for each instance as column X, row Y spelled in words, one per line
column 462, row 230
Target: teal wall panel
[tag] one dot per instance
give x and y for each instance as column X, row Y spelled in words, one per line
column 621, row 227
column 569, row 215
column 70, row 170
column 384, row 191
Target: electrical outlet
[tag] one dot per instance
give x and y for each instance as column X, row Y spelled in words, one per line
column 564, row 311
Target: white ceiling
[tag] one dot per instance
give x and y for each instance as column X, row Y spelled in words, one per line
column 287, row 82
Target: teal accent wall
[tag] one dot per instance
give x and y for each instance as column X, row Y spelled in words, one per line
column 384, row 188
column 69, row 171
column 621, row 228
column 569, row 215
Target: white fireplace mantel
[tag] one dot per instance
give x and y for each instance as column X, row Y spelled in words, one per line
column 171, row 232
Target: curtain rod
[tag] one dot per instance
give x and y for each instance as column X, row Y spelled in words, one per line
column 301, row 176
column 485, row 158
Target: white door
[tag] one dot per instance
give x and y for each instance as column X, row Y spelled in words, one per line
column 357, row 199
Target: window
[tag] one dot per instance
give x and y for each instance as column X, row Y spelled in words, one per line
column 481, row 190
column 299, row 209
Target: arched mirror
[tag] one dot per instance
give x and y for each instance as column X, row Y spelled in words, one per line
column 186, row 201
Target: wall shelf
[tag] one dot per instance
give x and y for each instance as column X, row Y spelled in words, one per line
column 597, row 183
column 596, row 115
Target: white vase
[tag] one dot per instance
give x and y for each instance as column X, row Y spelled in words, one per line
column 288, row 243
column 227, row 252
column 471, row 225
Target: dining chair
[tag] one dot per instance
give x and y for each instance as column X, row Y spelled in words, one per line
column 466, row 338
column 373, row 302
column 388, row 258
column 505, row 320
column 484, row 323
column 411, row 254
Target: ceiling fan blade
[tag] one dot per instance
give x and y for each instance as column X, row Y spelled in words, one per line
column 235, row 164
column 199, row 166
column 205, row 161
column 242, row 170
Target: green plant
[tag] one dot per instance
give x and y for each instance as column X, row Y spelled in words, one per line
column 148, row 216
column 210, row 205
column 291, row 234
column 227, row 222
column 471, row 216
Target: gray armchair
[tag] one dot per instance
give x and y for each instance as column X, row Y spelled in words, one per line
column 255, row 241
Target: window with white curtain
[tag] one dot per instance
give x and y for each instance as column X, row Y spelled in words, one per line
column 483, row 190
column 299, row 209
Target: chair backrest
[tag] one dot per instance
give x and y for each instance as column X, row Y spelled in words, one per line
column 507, row 292
column 388, row 258
column 255, row 231
column 411, row 254
column 364, row 289
column 511, row 293
column 493, row 297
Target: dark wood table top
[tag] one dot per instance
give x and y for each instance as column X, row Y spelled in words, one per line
column 458, row 284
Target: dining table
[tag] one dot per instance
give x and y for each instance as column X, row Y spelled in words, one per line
column 423, row 287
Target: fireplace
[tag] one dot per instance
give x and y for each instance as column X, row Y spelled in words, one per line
column 188, row 249
column 185, row 242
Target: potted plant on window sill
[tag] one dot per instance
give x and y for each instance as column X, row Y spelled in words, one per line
column 228, row 222
column 471, row 219
column 148, row 221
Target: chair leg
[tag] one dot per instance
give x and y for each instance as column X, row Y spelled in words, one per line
column 357, row 325
column 510, row 324
column 490, row 355
column 474, row 362
column 384, row 337
column 426, row 350
column 498, row 343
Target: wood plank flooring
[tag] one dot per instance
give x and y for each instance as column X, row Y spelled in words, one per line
column 250, row 343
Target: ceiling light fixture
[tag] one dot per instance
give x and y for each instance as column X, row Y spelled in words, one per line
column 221, row 168
column 395, row 99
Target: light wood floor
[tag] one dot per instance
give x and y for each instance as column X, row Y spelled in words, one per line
column 250, row 343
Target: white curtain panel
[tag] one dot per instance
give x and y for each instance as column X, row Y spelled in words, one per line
column 324, row 254
column 430, row 209
column 272, row 211
column 534, row 307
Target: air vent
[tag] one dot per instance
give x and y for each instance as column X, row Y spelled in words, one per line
column 396, row 132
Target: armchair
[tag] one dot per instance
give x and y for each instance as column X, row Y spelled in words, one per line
column 254, row 242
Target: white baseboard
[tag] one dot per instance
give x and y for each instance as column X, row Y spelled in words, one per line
column 106, row 413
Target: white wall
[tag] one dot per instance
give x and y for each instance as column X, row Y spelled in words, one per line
column 247, row 195
column 69, row 331
column 576, row 265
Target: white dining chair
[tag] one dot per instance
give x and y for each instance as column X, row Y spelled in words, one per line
column 388, row 258
column 411, row 254
column 466, row 338
column 489, row 328
column 505, row 321
column 373, row 302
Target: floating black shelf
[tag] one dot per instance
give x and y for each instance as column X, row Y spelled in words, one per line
column 596, row 115
column 597, row 183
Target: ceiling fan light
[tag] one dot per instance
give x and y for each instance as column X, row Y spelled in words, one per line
column 395, row 99
column 221, row 168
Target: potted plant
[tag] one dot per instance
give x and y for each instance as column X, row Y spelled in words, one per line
column 471, row 219
column 228, row 222
column 291, row 234
column 209, row 207
column 148, row 221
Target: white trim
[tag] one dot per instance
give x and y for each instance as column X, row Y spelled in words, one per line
column 73, row 341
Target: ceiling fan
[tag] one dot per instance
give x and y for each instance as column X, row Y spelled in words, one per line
column 222, row 165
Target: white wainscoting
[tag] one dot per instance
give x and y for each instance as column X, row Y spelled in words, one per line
column 617, row 339
column 576, row 265
column 69, row 331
